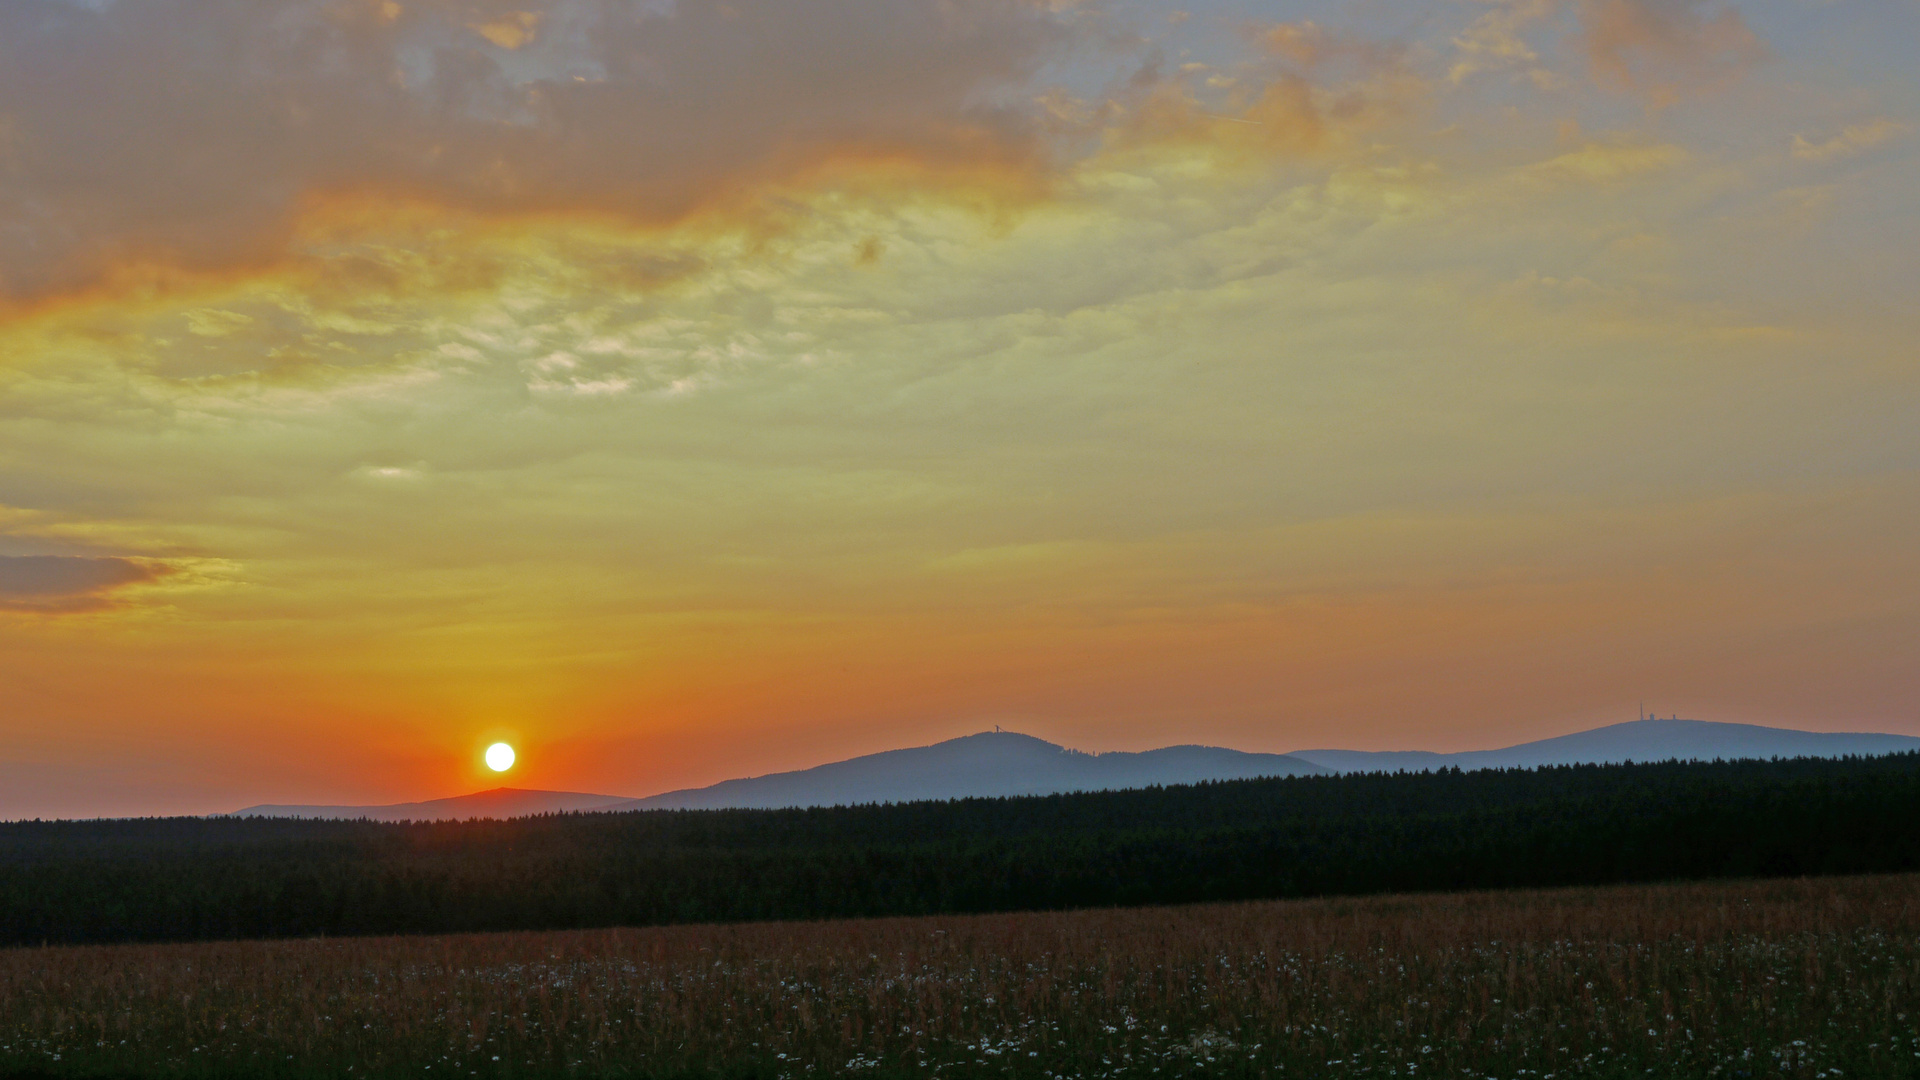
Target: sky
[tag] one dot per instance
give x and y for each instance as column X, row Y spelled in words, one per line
column 689, row 389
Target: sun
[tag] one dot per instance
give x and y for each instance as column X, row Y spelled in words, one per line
column 499, row 757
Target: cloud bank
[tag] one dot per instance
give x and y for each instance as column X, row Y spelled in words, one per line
column 145, row 135
column 65, row 582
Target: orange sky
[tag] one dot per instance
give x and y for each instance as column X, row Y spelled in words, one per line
column 705, row 389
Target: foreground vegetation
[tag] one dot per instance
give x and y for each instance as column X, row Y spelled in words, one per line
column 1797, row 979
column 195, row 879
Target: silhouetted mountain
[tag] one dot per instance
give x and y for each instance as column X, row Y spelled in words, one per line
column 1004, row 763
column 991, row 764
column 1635, row 740
column 499, row 803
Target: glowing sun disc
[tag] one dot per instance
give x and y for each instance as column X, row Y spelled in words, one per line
column 499, row 757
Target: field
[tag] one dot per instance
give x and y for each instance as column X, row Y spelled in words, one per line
column 1798, row 978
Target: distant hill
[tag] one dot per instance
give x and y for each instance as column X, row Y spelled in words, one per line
column 1635, row 740
column 1004, row 763
column 499, row 803
column 990, row 764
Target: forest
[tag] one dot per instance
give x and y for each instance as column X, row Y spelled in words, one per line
column 185, row 879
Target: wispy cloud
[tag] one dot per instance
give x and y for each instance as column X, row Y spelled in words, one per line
column 1602, row 163
column 1659, row 49
column 1497, row 40
column 1850, row 140
column 1663, row 49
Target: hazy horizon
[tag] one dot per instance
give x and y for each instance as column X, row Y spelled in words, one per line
column 1692, row 740
column 708, row 389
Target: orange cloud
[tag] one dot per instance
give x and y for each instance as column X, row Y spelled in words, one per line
column 1309, row 44
column 1277, row 117
column 510, row 31
column 277, row 127
column 1659, row 49
column 184, row 137
column 1664, row 48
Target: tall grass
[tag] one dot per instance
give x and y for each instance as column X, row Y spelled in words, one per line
column 1786, row 978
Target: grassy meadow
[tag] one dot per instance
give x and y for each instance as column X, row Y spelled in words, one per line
column 1791, row 978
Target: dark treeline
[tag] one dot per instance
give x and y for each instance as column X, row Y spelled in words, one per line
column 196, row 878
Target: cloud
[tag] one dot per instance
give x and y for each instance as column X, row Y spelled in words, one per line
column 1310, row 44
column 190, row 136
column 1659, row 49
column 65, row 582
column 1851, row 140
column 510, row 31
column 1302, row 42
column 1605, row 163
column 1308, row 94
column 1497, row 41
column 1664, row 48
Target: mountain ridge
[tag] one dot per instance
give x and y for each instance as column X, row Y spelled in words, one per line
column 1650, row 739
column 990, row 764
column 495, row 802
column 997, row 764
